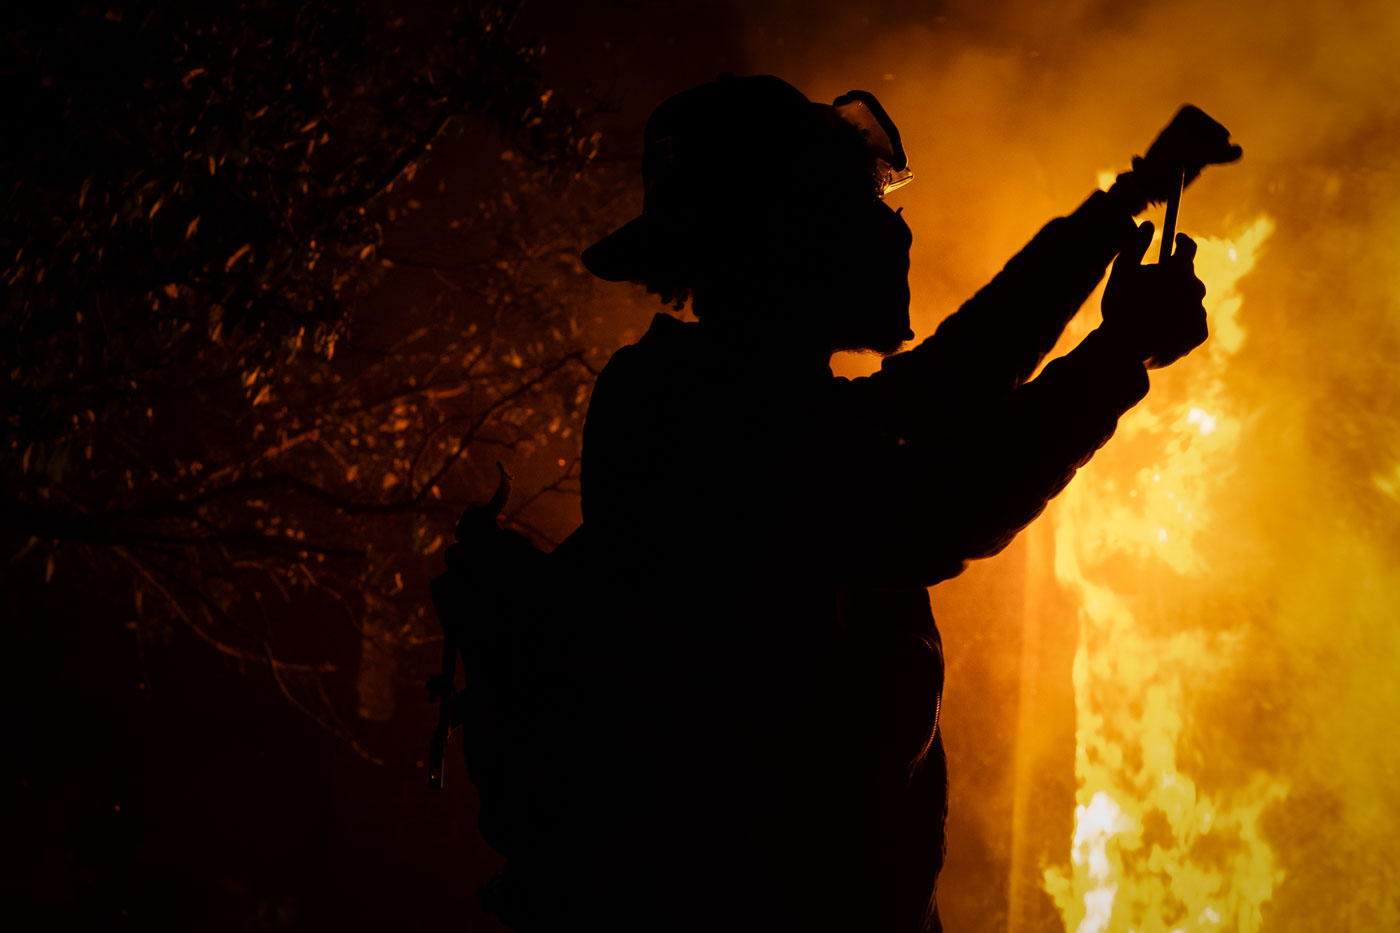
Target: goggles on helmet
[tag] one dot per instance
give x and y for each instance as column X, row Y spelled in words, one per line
column 863, row 111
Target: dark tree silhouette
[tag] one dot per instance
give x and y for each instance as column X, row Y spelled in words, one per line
column 200, row 421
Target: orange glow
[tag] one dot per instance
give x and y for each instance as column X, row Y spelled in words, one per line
column 1170, row 705
column 1156, row 846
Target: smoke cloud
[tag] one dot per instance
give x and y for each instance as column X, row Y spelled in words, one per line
column 1011, row 113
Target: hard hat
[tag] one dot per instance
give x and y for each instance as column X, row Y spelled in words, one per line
column 707, row 148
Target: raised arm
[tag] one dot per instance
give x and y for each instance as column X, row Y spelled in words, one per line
column 993, row 343
column 941, row 499
column 996, row 340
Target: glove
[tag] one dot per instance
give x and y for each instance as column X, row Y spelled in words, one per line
column 1190, row 142
column 1154, row 313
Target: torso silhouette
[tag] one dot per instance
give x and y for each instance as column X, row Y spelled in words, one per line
column 756, row 747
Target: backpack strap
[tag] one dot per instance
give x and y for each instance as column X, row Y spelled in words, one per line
column 477, row 532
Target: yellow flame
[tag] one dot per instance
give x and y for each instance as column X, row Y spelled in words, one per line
column 1157, row 846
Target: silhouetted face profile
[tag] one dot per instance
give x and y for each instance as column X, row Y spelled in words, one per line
column 860, row 296
column 766, row 209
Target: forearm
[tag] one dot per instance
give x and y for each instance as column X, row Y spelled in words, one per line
column 968, row 496
column 1049, row 428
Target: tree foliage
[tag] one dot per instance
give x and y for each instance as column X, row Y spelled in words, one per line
column 212, row 409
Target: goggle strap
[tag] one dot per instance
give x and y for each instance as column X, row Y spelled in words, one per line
column 898, row 161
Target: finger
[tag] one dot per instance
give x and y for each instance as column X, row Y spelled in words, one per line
column 1185, row 249
column 1194, row 331
column 1190, row 334
column 1136, row 248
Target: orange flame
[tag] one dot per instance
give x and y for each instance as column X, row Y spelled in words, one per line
column 1160, row 843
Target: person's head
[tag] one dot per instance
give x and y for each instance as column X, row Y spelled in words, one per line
column 764, row 208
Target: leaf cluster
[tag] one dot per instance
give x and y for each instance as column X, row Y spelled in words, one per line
column 200, row 203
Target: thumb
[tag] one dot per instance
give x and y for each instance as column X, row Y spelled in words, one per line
column 1185, row 249
column 1135, row 247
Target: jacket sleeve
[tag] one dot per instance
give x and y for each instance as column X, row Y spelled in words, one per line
column 933, row 504
column 980, row 450
column 992, row 344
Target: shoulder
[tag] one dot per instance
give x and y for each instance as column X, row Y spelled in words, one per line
column 670, row 357
column 669, row 342
column 640, row 379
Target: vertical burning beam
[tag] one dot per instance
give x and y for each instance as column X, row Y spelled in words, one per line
column 1156, row 848
column 1042, row 721
column 1031, row 631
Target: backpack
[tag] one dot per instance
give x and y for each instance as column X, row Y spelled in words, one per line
column 498, row 603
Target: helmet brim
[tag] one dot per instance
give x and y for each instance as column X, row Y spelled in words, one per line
column 621, row 255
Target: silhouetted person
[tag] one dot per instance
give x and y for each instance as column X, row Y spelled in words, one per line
column 751, row 742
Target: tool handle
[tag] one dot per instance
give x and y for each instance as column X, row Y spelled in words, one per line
column 442, row 688
column 1169, row 223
